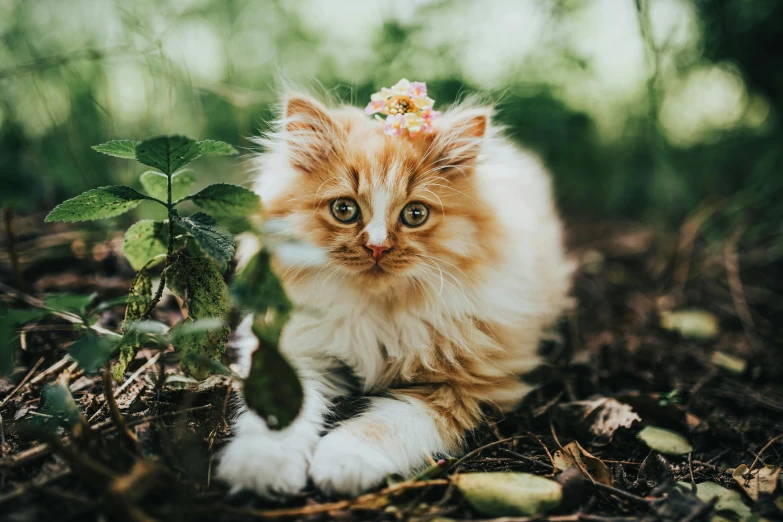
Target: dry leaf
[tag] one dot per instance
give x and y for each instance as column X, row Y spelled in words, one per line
column 762, row 480
column 599, row 418
column 576, row 455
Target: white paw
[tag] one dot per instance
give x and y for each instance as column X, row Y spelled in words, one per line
column 264, row 465
column 346, row 465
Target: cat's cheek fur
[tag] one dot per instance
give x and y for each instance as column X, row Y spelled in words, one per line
column 392, row 437
column 273, row 463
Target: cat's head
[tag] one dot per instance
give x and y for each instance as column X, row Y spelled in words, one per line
column 388, row 212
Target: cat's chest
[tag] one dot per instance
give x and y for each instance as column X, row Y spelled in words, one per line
column 371, row 342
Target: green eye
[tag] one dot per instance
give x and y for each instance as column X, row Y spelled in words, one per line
column 345, row 210
column 414, row 214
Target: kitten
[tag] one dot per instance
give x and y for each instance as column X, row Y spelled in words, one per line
column 444, row 263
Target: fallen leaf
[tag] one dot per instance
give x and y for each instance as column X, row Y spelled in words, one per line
column 599, row 418
column 698, row 325
column 762, row 480
column 509, row 494
column 665, row 441
column 730, row 363
column 655, row 470
column 573, row 454
column 728, row 500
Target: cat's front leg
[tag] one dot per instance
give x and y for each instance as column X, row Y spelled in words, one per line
column 269, row 462
column 394, row 436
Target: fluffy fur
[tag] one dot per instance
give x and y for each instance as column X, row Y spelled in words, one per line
column 439, row 329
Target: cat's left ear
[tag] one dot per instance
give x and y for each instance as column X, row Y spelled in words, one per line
column 310, row 132
column 459, row 138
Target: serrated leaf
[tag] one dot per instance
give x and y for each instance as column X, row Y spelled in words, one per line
column 168, row 154
column 509, row 494
column 198, row 348
column 272, row 388
column 144, row 240
column 118, row 148
column 155, row 184
column 199, row 283
column 224, row 199
column 99, row 203
column 665, row 441
column 216, row 148
column 216, row 243
column 92, row 351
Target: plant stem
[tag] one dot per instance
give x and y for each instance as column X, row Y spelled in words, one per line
column 169, row 253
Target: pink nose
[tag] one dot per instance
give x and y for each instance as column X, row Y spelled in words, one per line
column 377, row 250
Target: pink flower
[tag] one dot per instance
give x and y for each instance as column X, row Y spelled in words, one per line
column 407, row 108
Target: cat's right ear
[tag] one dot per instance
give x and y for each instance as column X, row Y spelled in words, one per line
column 309, row 131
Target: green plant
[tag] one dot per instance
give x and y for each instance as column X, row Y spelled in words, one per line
column 194, row 254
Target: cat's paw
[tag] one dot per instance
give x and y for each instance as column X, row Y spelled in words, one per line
column 343, row 464
column 264, row 465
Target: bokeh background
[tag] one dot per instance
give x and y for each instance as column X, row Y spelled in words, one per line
column 644, row 110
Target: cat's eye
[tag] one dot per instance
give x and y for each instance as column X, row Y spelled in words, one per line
column 345, row 210
column 414, row 214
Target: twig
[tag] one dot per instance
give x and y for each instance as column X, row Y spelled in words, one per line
column 477, row 451
column 125, row 433
column 152, row 360
column 685, row 245
column 758, row 456
column 56, row 367
column 538, row 463
column 22, row 383
column 690, row 472
column 731, row 260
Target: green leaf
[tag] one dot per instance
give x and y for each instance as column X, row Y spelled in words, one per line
column 224, row 199
column 156, row 186
column 257, row 288
column 198, row 348
column 216, row 148
column 92, row 351
column 145, row 240
column 118, row 148
column 665, row 441
column 499, row 494
column 69, row 302
column 199, row 283
column 59, row 403
column 168, row 154
column 272, row 388
column 99, row 203
column 216, row 243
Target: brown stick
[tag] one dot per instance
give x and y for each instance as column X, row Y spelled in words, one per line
column 119, row 421
column 22, row 383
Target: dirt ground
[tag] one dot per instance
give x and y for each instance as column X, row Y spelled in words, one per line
column 724, row 394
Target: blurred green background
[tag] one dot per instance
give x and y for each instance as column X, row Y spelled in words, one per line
column 643, row 109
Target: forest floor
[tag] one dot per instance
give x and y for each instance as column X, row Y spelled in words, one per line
column 721, row 389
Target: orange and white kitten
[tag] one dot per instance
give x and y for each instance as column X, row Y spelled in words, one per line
column 444, row 262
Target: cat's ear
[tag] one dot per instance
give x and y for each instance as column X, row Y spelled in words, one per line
column 459, row 138
column 309, row 131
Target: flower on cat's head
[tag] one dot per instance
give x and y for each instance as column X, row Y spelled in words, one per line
column 407, row 108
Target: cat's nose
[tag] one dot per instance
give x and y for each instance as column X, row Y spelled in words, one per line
column 377, row 250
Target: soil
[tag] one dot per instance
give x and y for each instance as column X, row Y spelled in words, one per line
column 611, row 346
